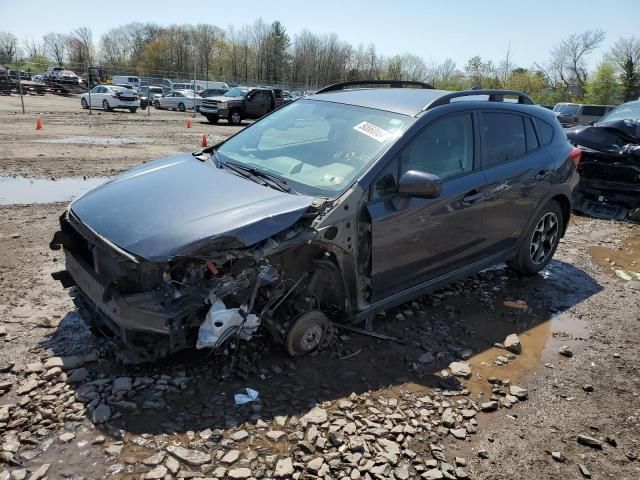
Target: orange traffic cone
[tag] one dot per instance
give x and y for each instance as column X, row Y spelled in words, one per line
column 188, row 123
column 39, row 124
column 204, row 141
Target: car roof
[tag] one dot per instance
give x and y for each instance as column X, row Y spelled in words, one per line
column 406, row 101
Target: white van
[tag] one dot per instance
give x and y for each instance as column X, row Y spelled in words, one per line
column 181, row 86
column 126, row 80
column 205, row 84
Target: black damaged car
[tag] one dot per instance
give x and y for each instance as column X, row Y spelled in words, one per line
column 330, row 209
column 610, row 166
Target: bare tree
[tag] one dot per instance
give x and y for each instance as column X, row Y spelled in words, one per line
column 571, row 56
column 55, row 46
column 506, row 65
column 80, row 47
column 32, row 48
column 8, row 47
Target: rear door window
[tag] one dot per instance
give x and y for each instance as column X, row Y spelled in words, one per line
column 593, row 111
column 503, row 137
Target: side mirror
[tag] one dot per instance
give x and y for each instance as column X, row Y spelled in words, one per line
column 415, row 183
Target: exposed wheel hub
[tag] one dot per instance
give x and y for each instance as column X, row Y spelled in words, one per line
column 309, row 332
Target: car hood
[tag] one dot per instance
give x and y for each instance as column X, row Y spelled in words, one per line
column 222, row 98
column 620, row 137
column 175, row 206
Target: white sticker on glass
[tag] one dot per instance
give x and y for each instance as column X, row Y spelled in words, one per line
column 373, row 131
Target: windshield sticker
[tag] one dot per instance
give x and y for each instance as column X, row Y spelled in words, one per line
column 332, row 179
column 373, row 131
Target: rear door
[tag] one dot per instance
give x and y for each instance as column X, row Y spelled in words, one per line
column 518, row 173
column 417, row 239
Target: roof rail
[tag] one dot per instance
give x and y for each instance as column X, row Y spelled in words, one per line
column 494, row 96
column 391, row 83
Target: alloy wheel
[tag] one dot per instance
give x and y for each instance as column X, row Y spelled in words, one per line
column 544, row 238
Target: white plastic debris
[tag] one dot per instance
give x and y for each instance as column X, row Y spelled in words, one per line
column 242, row 398
column 221, row 323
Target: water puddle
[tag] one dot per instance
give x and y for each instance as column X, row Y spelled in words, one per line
column 24, row 191
column 622, row 262
column 540, row 346
column 86, row 140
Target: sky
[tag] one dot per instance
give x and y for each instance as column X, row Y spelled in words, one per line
column 435, row 30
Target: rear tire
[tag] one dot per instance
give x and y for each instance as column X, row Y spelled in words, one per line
column 105, row 106
column 156, row 104
column 181, row 107
column 133, row 109
column 309, row 332
column 540, row 241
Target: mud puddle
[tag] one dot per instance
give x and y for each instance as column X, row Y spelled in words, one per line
column 540, row 346
column 622, row 261
column 21, row 190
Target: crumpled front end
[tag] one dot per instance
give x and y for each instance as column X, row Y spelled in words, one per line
column 609, row 170
column 220, row 291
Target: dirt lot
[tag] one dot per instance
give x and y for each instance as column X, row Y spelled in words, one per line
column 74, row 143
column 72, row 407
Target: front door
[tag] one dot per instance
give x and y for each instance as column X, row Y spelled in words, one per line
column 257, row 103
column 416, row 239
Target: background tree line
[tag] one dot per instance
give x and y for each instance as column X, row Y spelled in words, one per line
column 266, row 53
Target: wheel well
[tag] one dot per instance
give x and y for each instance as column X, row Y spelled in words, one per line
column 565, row 205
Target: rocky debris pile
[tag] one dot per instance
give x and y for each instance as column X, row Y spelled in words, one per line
column 58, row 392
column 364, row 436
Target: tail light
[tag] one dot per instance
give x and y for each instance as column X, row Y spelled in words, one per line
column 575, row 155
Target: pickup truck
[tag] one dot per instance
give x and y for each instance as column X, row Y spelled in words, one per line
column 241, row 103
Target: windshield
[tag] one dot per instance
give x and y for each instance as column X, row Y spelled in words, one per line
column 623, row 112
column 319, row 148
column 566, row 108
column 236, row 92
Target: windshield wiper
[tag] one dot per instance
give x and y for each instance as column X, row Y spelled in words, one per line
column 273, row 180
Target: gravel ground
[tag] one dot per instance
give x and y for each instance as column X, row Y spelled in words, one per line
column 451, row 402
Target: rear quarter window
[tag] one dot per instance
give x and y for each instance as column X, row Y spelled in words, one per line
column 545, row 132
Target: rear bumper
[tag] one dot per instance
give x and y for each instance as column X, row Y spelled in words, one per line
column 124, row 104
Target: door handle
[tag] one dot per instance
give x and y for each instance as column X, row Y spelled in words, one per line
column 472, row 197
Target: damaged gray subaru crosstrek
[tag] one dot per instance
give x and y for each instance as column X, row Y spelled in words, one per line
column 330, row 209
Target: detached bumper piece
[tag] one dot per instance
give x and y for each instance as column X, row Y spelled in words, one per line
column 601, row 209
